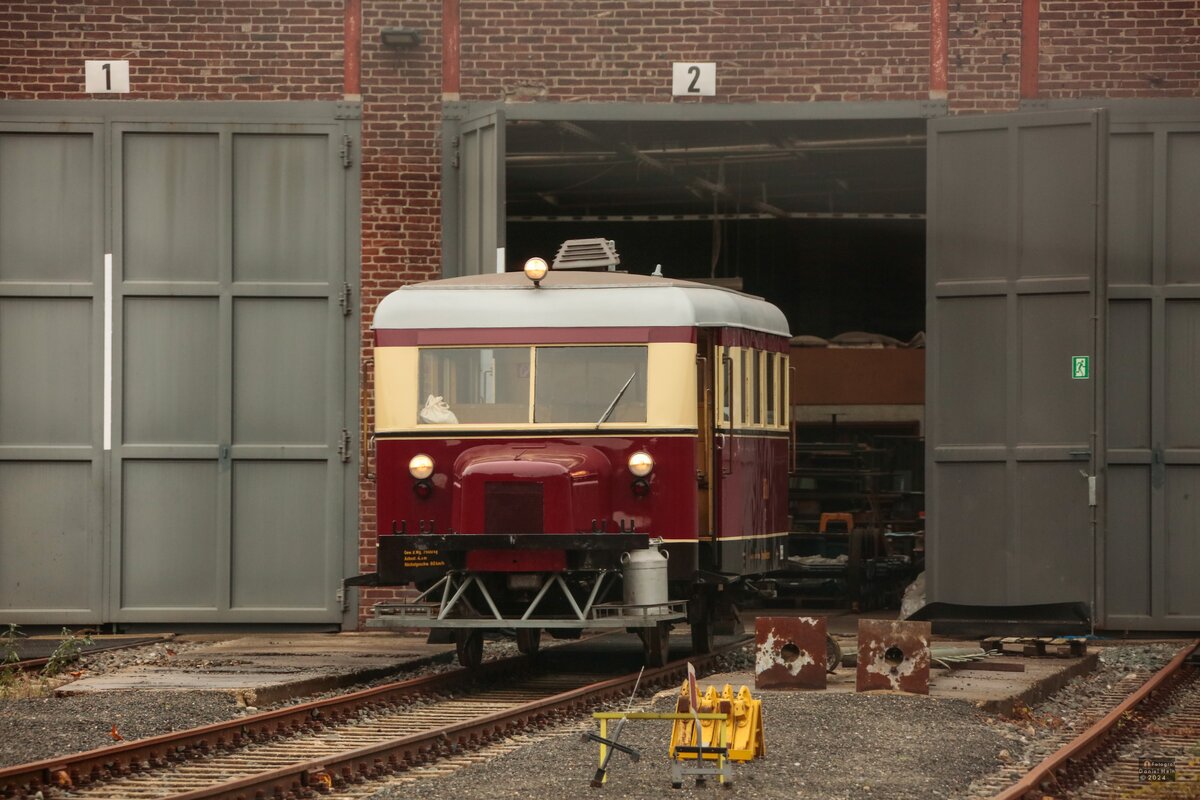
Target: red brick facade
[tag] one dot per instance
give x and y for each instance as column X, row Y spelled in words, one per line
column 177, row 49
column 767, row 51
column 577, row 50
column 1146, row 48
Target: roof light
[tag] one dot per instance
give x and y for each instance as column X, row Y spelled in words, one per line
column 536, row 269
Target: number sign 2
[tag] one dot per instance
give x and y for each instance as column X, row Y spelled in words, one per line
column 106, row 77
column 697, row 79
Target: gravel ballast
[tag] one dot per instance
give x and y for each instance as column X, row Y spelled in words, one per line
column 819, row 745
column 44, row 727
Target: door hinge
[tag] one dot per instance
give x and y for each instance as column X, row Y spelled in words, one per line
column 344, row 447
column 339, row 597
column 346, row 153
column 454, row 151
column 344, row 299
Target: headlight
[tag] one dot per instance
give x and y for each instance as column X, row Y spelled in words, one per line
column 536, row 269
column 420, row 466
column 641, row 464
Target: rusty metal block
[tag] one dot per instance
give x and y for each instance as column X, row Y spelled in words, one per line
column 789, row 653
column 893, row 655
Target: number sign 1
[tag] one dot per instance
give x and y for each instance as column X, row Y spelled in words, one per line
column 698, row 79
column 106, row 77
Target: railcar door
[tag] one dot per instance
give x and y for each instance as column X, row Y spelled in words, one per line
column 725, row 376
column 706, row 365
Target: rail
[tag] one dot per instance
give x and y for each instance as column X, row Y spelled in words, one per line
column 1082, row 746
column 338, row 769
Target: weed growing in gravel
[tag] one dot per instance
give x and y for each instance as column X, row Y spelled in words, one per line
column 9, row 655
column 67, row 652
column 16, row 683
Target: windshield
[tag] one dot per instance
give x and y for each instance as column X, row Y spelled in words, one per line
column 491, row 385
column 465, row 385
column 579, row 384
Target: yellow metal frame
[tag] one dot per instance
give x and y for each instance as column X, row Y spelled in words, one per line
column 719, row 720
column 743, row 724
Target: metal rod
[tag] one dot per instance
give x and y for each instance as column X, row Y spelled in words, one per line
column 446, row 608
column 533, row 606
column 570, row 599
column 426, row 593
column 587, row 609
column 483, row 590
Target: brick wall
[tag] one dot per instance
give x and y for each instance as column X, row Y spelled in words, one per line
column 766, row 50
column 177, row 49
column 1147, row 48
column 401, row 189
column 985, row 56
column 576, row 50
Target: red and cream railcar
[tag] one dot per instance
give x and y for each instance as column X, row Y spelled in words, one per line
column 590, row 450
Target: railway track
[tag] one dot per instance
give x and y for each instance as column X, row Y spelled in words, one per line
column 39, row 663
column 1115, row 757
column 339, row 743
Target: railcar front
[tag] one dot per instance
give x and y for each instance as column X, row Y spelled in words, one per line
column 540, row 458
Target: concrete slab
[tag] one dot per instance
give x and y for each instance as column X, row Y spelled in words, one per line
column 994, row 692
column 43, row 646
column 261, row 669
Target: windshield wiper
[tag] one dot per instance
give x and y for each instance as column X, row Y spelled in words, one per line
column 616, row 400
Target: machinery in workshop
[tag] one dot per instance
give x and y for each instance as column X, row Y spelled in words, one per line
column 856, row 535
column 855, row 489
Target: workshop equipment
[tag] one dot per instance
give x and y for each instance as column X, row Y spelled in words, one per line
column 893, row 656
column 607, row 745
column 790, row 653
column 743, row 723
column 678, row 770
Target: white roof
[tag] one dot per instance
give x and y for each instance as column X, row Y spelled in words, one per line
column 573, row 299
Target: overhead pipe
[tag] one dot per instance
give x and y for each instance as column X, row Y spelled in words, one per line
column 939, row 49
column 352, row 50
column 1030, row 47
column 450, row 50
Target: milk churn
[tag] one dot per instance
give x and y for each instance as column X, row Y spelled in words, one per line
column 645, row 573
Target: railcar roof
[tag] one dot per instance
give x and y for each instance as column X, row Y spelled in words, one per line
column 569, row 299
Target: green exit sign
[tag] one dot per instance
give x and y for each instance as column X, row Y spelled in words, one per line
column 1081, row 367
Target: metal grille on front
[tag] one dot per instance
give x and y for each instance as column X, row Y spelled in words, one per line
column 511, row 508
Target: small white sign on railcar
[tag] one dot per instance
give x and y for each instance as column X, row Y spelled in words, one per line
column 106, row 77
column 697, row 79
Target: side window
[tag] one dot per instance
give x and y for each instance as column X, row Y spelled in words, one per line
column 724, row 386
column 785, row 378
column 772, row 383
column 751, row 410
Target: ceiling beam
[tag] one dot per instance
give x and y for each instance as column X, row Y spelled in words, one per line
column 698, row 186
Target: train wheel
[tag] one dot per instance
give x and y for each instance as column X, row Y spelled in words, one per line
column 833, row 654
column 702, row 636
column 656, row 644
column 529, row 640
column 468, row 644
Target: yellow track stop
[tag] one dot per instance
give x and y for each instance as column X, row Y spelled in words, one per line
column 743, row 723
